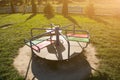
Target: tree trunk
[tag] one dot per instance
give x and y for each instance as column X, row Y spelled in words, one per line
column 12, row 6
column 65, row 8
column 40, row 2
column 34, row 7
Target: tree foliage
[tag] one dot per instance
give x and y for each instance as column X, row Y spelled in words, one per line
column 4, row 2
column 49, row 11
column 18, row 2
column 90, row 10
column 79, row 0
column 12, row 6
column 34, row 7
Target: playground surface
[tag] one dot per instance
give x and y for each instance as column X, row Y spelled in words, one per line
column 77, row 68
column 60, row 52
column 105, row 37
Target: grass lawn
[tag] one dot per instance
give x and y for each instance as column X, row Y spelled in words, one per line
column 105, row 35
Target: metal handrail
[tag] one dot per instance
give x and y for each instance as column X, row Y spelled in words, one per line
column 31, row 44
column 81, row 31
column 33, row 37
column 67, row 42
column 64, row 27
column 31, row 32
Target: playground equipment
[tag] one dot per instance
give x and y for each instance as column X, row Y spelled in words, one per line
column 57, row 42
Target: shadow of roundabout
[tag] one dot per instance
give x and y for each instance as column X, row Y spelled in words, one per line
column 76, row 68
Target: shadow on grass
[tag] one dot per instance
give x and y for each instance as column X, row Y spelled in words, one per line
column 94, row 18
column 31, row 16
column 49, row 16
column 101, row 76
column 72, row 20
column 4, row 16
column 5, row 25
column 99, row 20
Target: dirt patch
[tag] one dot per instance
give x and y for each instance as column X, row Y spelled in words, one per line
column 22, row 60
column 91, row 58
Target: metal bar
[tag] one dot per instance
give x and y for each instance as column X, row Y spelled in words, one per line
column 80, row 45
column 33, row 37
column 31, row 32
column 31, row 44
column 74, row 29
column 63, row 28
column 68, row 44
column 81, row 31
column 57, row 36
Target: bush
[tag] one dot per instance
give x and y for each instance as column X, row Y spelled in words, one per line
column 49, row 11
column 90, row 10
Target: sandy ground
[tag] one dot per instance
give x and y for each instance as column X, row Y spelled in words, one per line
column 22, row 60
column 91, row 58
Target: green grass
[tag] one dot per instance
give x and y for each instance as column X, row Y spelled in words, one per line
column 12, row 38
column 105, row 36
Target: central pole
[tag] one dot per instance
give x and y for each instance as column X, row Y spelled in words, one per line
column 57, row 36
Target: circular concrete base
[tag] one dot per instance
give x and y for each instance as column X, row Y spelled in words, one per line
column 77, row 68
column 60, row 52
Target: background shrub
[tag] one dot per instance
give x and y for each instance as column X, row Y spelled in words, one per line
column 49, row 11
column 90, row 10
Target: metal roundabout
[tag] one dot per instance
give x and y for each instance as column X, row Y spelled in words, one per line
column 58, row 43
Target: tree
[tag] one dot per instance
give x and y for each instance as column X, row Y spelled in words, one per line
column 49, row 11
column 34, row 7
column 65, row 8
column 12, row 6
column 40, row 2
column 90, row 10
column 4, row 2
column 59, row 1
column 18, row 2
column 79, row 0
